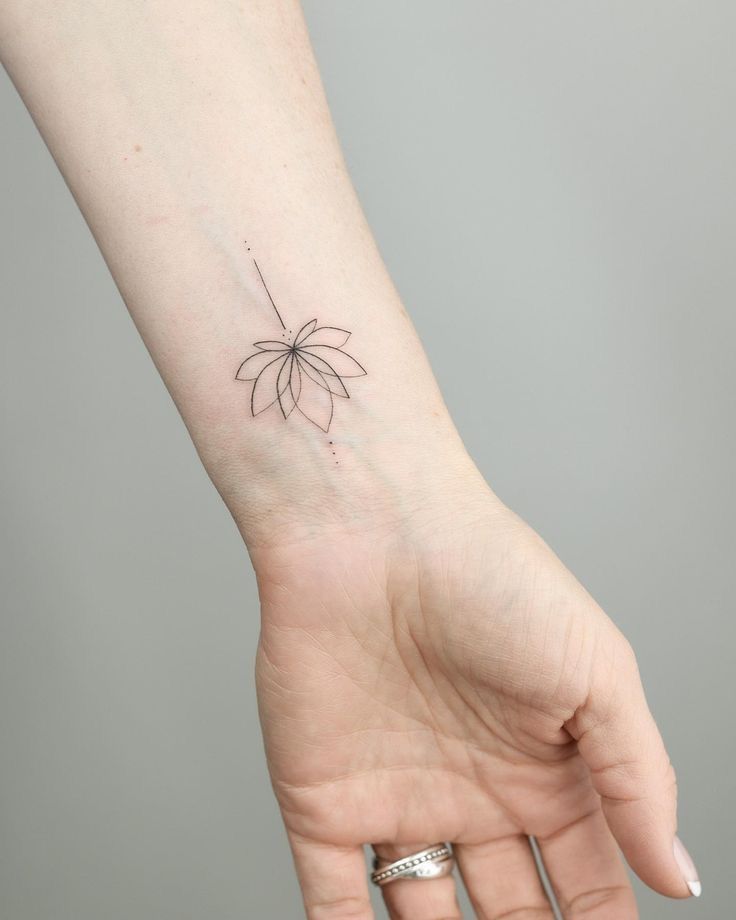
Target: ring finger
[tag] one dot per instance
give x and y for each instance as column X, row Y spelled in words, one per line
column 417, row 899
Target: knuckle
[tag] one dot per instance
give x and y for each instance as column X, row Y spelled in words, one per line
column 347, row 908
column 410, row 910
column 412, row 916
column 625, row 656
column 667, row 780
column 602, row 903
column 521, row 913
column 623, row 781
column 669, row 786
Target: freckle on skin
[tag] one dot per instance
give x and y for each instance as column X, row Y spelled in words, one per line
column 137, row 148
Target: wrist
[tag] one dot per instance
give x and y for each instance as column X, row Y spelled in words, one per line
column 339, row 439
column 376, row 476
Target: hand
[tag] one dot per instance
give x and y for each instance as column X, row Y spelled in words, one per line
column 449, row 679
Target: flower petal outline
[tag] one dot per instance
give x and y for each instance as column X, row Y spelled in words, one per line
column 326, row 335
column 331, row 381
column 265, row 389
column 316, row 403
column 342, row 364
column 272, row 346
column 283, row 388
column 253, row 365
column 295, row 380
column 282, row 381
column 306, row 330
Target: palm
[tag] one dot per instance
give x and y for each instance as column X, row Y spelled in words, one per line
column 412, row 697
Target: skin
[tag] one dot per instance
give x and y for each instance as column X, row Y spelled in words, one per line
column 454, row 681
column 428, row 669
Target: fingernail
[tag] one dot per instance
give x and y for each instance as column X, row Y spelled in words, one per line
column 687, row 867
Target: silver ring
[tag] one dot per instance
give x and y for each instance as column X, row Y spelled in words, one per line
column 434, row 862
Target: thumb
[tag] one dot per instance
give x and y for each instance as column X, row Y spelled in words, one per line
column 621, row 744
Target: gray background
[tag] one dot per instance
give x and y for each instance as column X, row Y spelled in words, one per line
column 552, row 185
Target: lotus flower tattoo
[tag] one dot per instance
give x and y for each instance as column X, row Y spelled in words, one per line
column 305, row 372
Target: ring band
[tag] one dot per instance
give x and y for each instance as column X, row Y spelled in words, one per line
column 434, row 862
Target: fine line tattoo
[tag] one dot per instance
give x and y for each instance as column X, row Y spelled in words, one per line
column 304, row 372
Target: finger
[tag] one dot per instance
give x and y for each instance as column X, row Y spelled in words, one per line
column 502, row 880
column 584, row 866
column 333, row 879
column 418, row 899
column 631, row 771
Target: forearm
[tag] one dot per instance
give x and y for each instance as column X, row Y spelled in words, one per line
column 197, row 141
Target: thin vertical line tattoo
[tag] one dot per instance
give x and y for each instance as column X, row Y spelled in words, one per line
column 260, row 275
column 305, row 372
